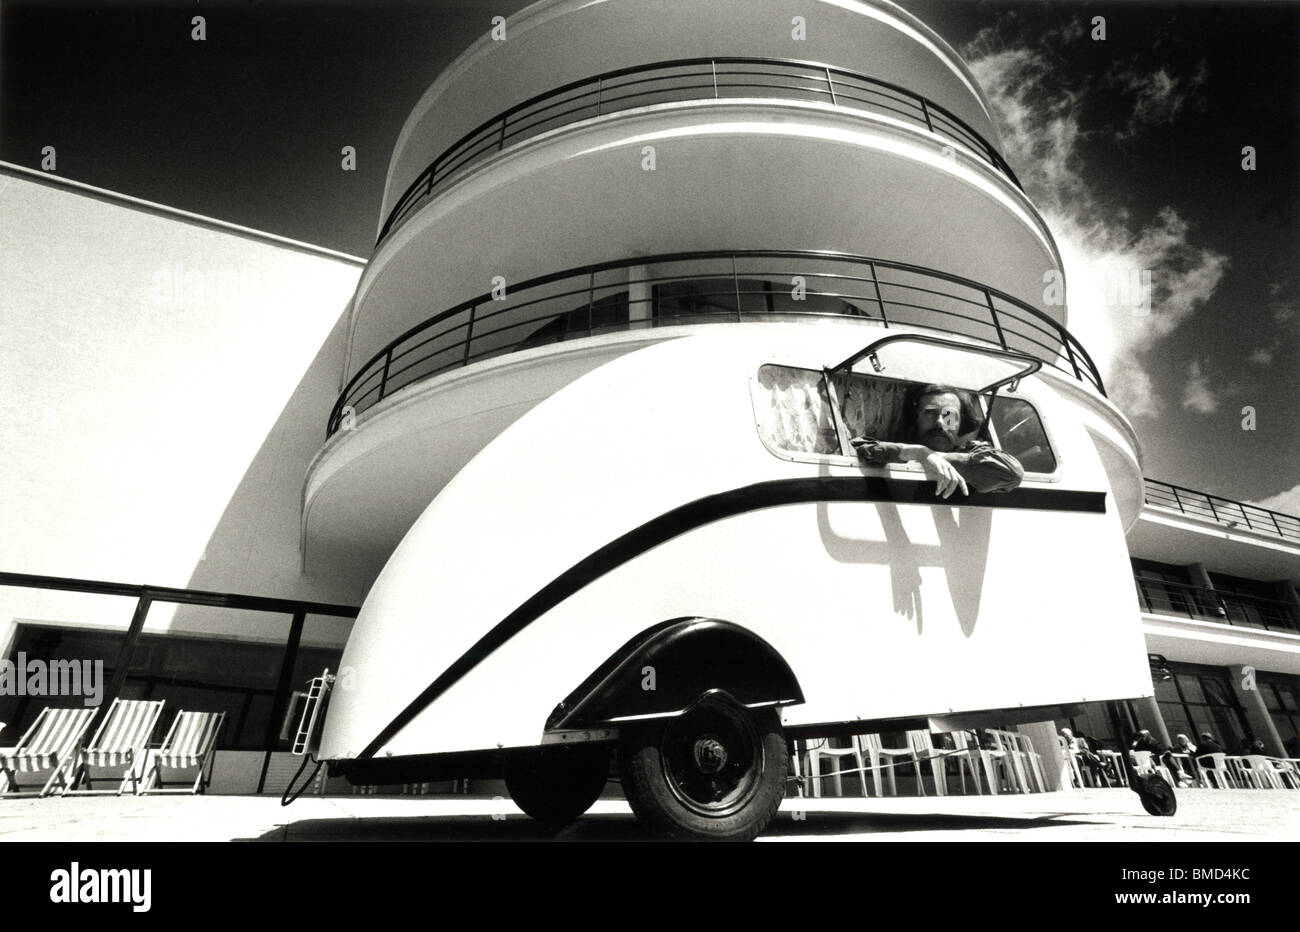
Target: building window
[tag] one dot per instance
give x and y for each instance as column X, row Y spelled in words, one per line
column 1281, row 696
column 1200, row 699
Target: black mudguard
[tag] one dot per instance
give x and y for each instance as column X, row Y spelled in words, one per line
column 665, row 668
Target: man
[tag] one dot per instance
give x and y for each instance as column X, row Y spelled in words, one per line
column 938, row 417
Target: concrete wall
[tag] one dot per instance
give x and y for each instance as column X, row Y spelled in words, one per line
column 166, row 380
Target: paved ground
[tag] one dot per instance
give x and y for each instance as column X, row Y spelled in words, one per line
column 1088, row 815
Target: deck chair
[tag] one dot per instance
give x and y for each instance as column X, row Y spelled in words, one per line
column 50, row 745
column 120, row 741
column 189, row 744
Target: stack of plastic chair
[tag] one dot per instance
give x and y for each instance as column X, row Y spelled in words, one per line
column 990, row 760
column 1032, row 759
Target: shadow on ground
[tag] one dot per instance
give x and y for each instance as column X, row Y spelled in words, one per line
column 618, row 827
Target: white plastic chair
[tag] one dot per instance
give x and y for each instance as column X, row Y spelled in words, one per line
column 819, row 749
column 1145, row 762
column 922, row 746
column 1216, row 771
column 1243, row 774
column 965, row 760
column 1262, row 768
column 875, row 750
column 1286, row 771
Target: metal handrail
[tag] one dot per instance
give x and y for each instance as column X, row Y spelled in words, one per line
column 479, row 328
column 599, row 98
column 1222, row 510
column 1161, row 597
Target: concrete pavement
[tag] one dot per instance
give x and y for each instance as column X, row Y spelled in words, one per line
column 1087, row 815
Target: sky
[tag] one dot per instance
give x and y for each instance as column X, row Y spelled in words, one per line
column 1131, row 146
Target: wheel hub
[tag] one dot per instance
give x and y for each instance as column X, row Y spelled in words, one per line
column 710, row 754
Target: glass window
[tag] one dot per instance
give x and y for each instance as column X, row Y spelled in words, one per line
column 795, row 411
column 872, row 407
column 1019, row 431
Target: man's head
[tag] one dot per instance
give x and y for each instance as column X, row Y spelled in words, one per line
column 941, row 415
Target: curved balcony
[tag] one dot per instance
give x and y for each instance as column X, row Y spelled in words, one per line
column 709, row 287
column 1225, row 511
column 685, row 80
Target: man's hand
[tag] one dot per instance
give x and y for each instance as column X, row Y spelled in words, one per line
column 946, row 478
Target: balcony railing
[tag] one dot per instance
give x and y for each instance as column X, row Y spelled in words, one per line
column 685, row 80
column 709, row 287
column 1223, row 510
column 1169, row 598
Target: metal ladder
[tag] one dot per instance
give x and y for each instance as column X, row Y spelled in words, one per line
column 316, row 693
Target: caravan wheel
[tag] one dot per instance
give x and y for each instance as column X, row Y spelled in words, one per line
column 715, row 773
column 557, row 784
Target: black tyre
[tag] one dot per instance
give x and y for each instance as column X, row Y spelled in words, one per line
column 1157, row 796
column 715, row 773
column 555, row 785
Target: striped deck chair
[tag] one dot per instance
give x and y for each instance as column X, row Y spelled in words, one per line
column 49, row 745
column 120, row 742
column 189, row 744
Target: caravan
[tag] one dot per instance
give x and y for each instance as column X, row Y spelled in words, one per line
column 677, row 563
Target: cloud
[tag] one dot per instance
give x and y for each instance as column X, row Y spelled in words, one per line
column 1197, row 395
column 1128, row 287
column 1287, row 502
column 1158, row 96
column 1262, row 356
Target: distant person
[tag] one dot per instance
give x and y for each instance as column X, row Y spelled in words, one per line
column 1256, row 747
column 1209, row 746
column 1085, row 756
column 938, row 417
column 1183, row 745
column 1145, row 741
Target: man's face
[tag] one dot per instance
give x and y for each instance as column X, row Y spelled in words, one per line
column 938, row 419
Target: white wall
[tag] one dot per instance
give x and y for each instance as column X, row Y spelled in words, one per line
column 165, row 381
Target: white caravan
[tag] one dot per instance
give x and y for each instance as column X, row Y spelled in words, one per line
column 677, row 556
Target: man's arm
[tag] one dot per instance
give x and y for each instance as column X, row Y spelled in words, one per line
column 981, row 467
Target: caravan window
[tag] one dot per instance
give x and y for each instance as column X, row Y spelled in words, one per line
column 794, row 411
column 1018, row 430
column 794, row 416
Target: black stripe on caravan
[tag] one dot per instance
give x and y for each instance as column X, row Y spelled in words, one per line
column 705, row 511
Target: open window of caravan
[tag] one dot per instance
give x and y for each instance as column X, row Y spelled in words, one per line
column 810, row 415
